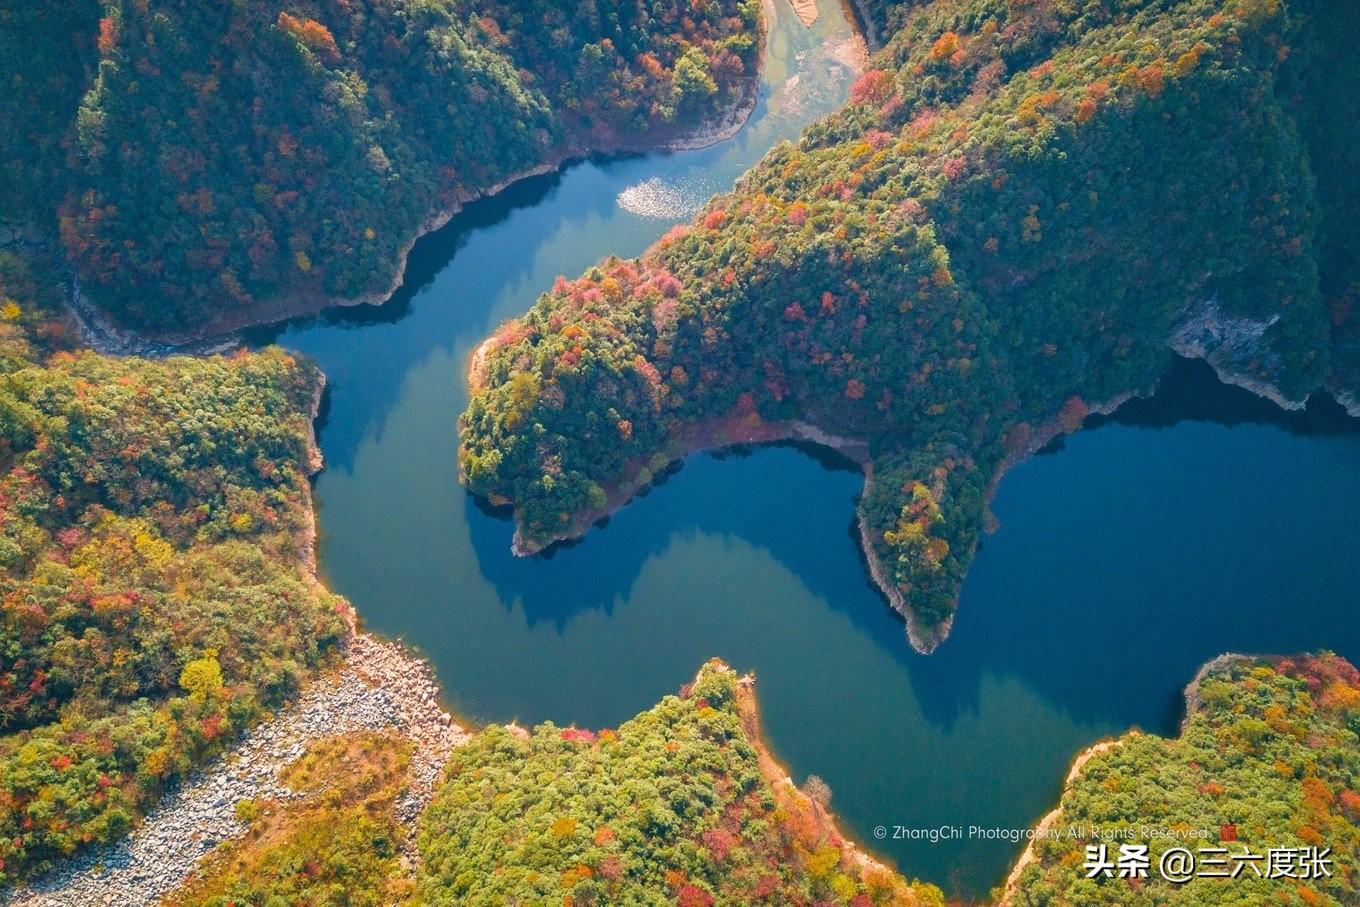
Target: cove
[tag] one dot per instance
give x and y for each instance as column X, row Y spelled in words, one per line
column 1193, row 523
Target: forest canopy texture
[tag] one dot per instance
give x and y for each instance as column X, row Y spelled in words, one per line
column 673, row 807
column 1024, row 207
column 205, row 160
column 682, row 805
column 1270, row 747
column 156, row 593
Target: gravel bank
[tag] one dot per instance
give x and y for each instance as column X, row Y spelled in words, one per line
column 381, row 685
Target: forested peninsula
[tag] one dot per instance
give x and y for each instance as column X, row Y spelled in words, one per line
column 1021, row 213
column 158, row 599
column 1268, row 748
column 1025, row 208
column 212, row 165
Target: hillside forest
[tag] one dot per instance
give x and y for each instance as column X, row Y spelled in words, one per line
column 1022, row 211
column 208, row 165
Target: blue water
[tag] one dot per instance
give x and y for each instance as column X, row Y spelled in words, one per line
column 1193, row 524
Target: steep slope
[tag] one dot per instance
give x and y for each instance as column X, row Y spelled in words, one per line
column 48, row 50
column 1023, row 209
column 1269, row 747
column 156, row 592
column 1324, row 82
column 678, row 805
column 236, row 162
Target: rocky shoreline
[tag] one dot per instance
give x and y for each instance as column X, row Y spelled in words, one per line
column 1193, row 701
column 922, row 639
column 378, row 686
column 717, row 434
column 1349, row 400
column 1226, row 343
column 788, row 794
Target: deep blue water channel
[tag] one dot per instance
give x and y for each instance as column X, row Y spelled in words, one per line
column 1195, row 523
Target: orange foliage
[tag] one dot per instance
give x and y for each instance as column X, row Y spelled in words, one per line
column 1317, row 796
column 1150, row 79
column 1340, row 695
column 108, row 35
column 944, row 46
column 312, row 35
column 1350, row 803
column 653, row 66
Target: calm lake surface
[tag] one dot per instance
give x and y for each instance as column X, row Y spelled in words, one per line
column 1195, row 523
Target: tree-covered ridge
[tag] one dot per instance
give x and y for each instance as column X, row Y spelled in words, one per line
column 670, row 808
column 1271, row 747
column 229, row 157
column 155, row 586
column 1021, row 206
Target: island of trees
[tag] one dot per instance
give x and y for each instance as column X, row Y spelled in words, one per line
column 1023, row 209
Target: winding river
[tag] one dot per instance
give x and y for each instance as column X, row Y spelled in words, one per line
column 1193, row 523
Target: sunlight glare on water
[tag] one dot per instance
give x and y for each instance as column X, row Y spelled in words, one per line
column 659, row 198
column 1089, row 610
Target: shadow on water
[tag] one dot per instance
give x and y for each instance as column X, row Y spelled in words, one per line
column 696, row 494
column 1118, row 661
column 1191, row 392
column 430, row 255
column 1177, row 588
column 367, row 351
